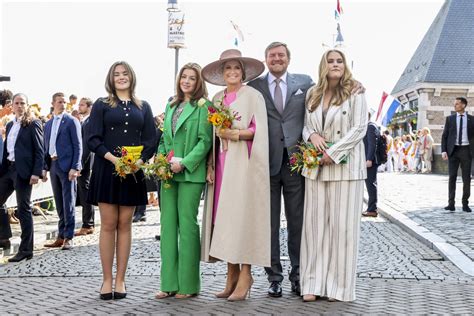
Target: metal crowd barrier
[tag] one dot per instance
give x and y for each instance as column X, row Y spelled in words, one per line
column 41, row 192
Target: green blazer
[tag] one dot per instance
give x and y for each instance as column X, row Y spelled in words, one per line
column 192, row 140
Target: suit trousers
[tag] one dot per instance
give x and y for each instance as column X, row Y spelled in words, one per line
column 10, row 182
column 292, row 185
column 330, row 238
column 82, row 191
column 180, row 240
column 461, row 156
column 371, row 185
column 64, row 192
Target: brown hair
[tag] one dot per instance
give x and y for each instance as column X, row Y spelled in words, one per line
column 343, row 90
column 57, row 95
column 200, row 91
column 110, row 85
column 277, row 44
column 88, row 101
column 27, row 116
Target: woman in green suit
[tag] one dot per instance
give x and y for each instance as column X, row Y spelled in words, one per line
column 188, row 134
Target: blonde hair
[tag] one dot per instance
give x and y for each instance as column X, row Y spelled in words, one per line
column 110, row 85
column 343, row 90
column 427, row 129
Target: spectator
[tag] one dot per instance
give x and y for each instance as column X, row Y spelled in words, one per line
column 427, row 151
column 85, row 108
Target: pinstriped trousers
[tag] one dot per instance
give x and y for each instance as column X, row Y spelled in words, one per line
column 330, row 238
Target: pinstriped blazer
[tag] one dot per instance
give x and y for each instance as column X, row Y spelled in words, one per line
column 345, row 126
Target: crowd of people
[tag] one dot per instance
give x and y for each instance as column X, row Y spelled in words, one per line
column 243, row 171
column 411, row 152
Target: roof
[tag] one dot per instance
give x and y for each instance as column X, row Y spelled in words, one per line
column 446, row 53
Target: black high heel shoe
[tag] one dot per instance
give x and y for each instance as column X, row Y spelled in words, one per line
column 119, row 296
column 105, row 296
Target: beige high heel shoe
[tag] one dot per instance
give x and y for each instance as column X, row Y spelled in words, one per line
column 241, row 296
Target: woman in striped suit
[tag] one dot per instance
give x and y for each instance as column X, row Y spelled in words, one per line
column 333, row 195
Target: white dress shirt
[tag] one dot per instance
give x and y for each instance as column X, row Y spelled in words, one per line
column 283, row 86
column 54, row 134
column 465, row 139
column 11, row 139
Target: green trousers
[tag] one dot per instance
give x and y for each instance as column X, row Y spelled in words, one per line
column 180, row 243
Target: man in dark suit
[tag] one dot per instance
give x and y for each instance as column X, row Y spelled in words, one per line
column 284, row 95
column 85, row 108
column 370, row 144
column 63, row 152
column 457, row 146
column 22, row 163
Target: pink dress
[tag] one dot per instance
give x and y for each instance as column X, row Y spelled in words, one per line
column 220, row 157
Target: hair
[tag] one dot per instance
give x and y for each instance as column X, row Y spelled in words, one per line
column 110, row 85
column 409, row 138
column 277, row 44
column 427, row 129
column 27, row 116
column 73, row 97
column 200, row 90
column 57, row 95
column 343, row 90
column 88, row 101
column 386, row 132
column 463, row 100
column 5, row 96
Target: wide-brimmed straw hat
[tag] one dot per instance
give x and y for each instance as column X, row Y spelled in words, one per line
column 213, row 73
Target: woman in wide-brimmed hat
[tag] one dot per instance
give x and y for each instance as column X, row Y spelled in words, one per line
column 236, row 224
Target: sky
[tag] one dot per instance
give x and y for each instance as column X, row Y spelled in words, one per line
column 68, row 46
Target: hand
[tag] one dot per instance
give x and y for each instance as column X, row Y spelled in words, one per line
column 358, row 88
column 34, row 179
column 228, row 133
column 113, row 159
column 176, row 167
column 369, row 163
column 210, row 174
column 326, row 160
column 72, row 174
column 444, row 156
column 318, row 142
column 139, row 162
column 44, row 175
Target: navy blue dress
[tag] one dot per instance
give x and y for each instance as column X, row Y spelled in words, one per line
column 109, row 129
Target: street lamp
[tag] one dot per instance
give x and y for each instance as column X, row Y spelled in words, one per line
column 175, row 31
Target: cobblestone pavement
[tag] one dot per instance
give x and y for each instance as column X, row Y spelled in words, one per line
column 422, row 198
column 396, row 274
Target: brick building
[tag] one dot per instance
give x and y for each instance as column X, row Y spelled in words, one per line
column 441, row 69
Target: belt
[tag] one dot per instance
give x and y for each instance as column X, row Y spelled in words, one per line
column 54, row 158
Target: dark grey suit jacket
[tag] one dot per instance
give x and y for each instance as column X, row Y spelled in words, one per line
column 448, row 138
column 284, row 130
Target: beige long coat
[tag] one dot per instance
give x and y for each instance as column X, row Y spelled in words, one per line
column 241, row 233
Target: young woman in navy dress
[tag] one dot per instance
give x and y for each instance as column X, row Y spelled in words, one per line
column 120, row 119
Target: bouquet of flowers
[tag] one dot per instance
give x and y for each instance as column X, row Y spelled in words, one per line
column 221, row 116
column 160, row 168
column 307, row 157
column 127, row 162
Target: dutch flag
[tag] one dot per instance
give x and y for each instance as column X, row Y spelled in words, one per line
column 387, row 108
